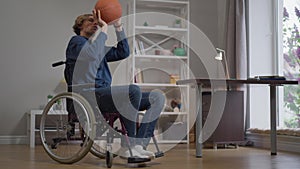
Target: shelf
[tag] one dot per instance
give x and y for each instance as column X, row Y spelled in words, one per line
column 161, row 57
column 172, row 141
column 159, row 29
column 171, row 4
column 174, row 113
column 51, row 112
column 159, row 85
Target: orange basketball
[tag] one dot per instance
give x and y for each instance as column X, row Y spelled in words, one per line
column 110, row 10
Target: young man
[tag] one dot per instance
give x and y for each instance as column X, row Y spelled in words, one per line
column 87, row 60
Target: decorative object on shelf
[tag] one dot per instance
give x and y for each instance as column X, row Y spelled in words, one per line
column 49, row 97
column 179, row 52
column 146, row 23
column 165, row 52
column 157, row 52
column 174, row 78
column 59, row 105
column 176, row 109
column 168, row 108
column 139, row 76
column 176, row 105
column 177, row 23
column 110, row 10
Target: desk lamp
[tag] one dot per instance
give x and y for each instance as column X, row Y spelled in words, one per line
column 219, row 57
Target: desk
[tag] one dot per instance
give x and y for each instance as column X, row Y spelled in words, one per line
column 227, row 83
column 31, row 123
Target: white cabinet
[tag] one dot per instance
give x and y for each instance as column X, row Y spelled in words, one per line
column 33, row 123
column 160, row 56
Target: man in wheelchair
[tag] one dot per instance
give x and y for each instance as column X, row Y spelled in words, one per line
column 87, row 59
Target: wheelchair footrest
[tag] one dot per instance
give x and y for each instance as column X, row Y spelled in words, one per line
column 137, row 160
column 159, row 154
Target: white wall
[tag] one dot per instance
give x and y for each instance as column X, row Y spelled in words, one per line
column 34, row 34
column 208, row 16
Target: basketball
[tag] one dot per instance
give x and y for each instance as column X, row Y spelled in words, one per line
column 110, row 10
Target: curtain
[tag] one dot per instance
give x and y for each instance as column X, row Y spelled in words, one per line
column 235, row 39
column 236, row 47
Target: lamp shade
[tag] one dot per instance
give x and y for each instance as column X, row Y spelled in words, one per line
column 219, row 57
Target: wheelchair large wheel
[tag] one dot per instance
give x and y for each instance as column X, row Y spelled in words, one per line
column 67, row 141
column 98, row 150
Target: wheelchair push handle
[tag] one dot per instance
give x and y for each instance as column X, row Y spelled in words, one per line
column 58, row 63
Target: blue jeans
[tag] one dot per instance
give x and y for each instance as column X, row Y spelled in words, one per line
column 128, row 100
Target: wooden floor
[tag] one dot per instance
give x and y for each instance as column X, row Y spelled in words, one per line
column 180, row 157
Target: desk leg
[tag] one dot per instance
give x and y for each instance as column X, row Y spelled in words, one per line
column 199, row 125
column 273, row 108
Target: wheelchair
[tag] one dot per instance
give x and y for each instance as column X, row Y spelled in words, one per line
column 71, row 127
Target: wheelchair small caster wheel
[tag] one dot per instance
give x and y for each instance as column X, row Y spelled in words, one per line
column 109, row 159
column 136, row 159
column 159, row 154
column 53, row 146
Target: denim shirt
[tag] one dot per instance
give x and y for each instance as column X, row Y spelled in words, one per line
column 86, row 60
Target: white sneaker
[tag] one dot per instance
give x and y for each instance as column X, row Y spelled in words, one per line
column 125, row 153
column 141, row 150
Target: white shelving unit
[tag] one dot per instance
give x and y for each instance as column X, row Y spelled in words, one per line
column 158, row 26
column 33, row 118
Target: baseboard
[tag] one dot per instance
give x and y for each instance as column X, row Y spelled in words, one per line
column 13, row 140
column 284, row 142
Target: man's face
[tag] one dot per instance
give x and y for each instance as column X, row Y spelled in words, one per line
column 89, row 26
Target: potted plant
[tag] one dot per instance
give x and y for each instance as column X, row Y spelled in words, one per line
column 177, row 23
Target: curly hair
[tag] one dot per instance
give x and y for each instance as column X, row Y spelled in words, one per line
column 79, row 21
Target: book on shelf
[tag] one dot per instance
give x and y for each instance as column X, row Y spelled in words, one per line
column 142, row 49
column 138, row 78
column 136, row 48
column 139, row 47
